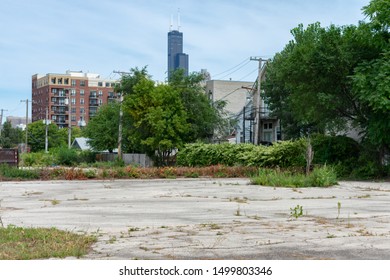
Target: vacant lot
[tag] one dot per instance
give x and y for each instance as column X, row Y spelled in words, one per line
column 208, row 218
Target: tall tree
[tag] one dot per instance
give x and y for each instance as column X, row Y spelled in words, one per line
column 372, row 78
column 309, row 83
column 159, row 120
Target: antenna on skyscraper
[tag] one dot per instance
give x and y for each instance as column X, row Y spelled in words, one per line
column 171, row 25
column 178, row 19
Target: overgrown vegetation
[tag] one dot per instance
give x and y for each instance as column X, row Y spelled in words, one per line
column 320, row 177
column 19, row 243
column 347, row 158
column 8, row 172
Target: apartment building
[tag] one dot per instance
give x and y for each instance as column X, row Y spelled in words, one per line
column 71, row 98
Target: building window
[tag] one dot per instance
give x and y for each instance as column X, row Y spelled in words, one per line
column 73, row 92
column 73, row 118
column 100, row 93
column 60, row 81
column 82, row 83
column 73, row 101
column 100, row 101
column 54, row 90
column 82, row 111
column 82, row 101
column 107, row 84
column 66, row 81
column 82, row 92
column 53, row 80
column 73, row 110
column 100, row 84
column 73, row 83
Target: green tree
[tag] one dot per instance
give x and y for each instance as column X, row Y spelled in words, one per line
column 36, row 136
column 158, row 117
column 102, row 130
column 372, row 78
column 308, row 84
column 10, row 137
column 203, row 117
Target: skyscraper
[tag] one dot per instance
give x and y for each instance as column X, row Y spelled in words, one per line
column 176, row 58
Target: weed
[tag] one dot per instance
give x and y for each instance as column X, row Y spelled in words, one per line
column 112, row 239
column 331, row 236
column 338, row 209
column 42, row 243
column 55, row 202
column 296, row 212
column 238, row 211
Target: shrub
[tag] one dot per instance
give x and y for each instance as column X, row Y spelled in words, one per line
column 68, row 157
column 283, row 154
column 87, row 156
column 334, row 149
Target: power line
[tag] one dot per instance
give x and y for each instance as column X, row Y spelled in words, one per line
column 234, row 71
column 230, row 69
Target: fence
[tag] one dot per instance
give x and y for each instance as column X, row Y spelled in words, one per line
column 9, row 156
column 137, row 159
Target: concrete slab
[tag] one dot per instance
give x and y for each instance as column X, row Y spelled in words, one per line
column 208, row 218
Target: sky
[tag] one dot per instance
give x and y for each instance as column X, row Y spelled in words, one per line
column 100, row 36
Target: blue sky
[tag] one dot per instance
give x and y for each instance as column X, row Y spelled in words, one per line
column 99, row 36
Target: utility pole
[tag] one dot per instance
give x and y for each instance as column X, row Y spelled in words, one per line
column 120, row 128
column 1, row 120
column 46, row 130
column 26, row 142
column 257, row 99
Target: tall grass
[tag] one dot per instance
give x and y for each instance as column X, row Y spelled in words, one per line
column 320, row 177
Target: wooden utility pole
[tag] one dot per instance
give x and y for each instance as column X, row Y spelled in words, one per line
column 120, row 128
column 257, row 101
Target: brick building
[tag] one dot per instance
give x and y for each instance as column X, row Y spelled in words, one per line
column 73, row 96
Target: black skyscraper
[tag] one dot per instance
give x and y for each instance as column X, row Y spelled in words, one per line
column 176, row 58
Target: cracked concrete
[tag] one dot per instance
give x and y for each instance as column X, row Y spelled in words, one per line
column 208, row 218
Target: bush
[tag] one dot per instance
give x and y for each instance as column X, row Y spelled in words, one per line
column 283, row 154
column 334, row 149
column 37, row 159
column 87, row 156
column 68, row 157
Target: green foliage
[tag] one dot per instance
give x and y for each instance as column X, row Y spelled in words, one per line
column 8, row 172
column 296, row 212
column 37, row 159
column 320, row 177
column 102, row 130
column 334, row 149
column 36, row 136
column 10, row 137
column 67, row 157
column 283, row 154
